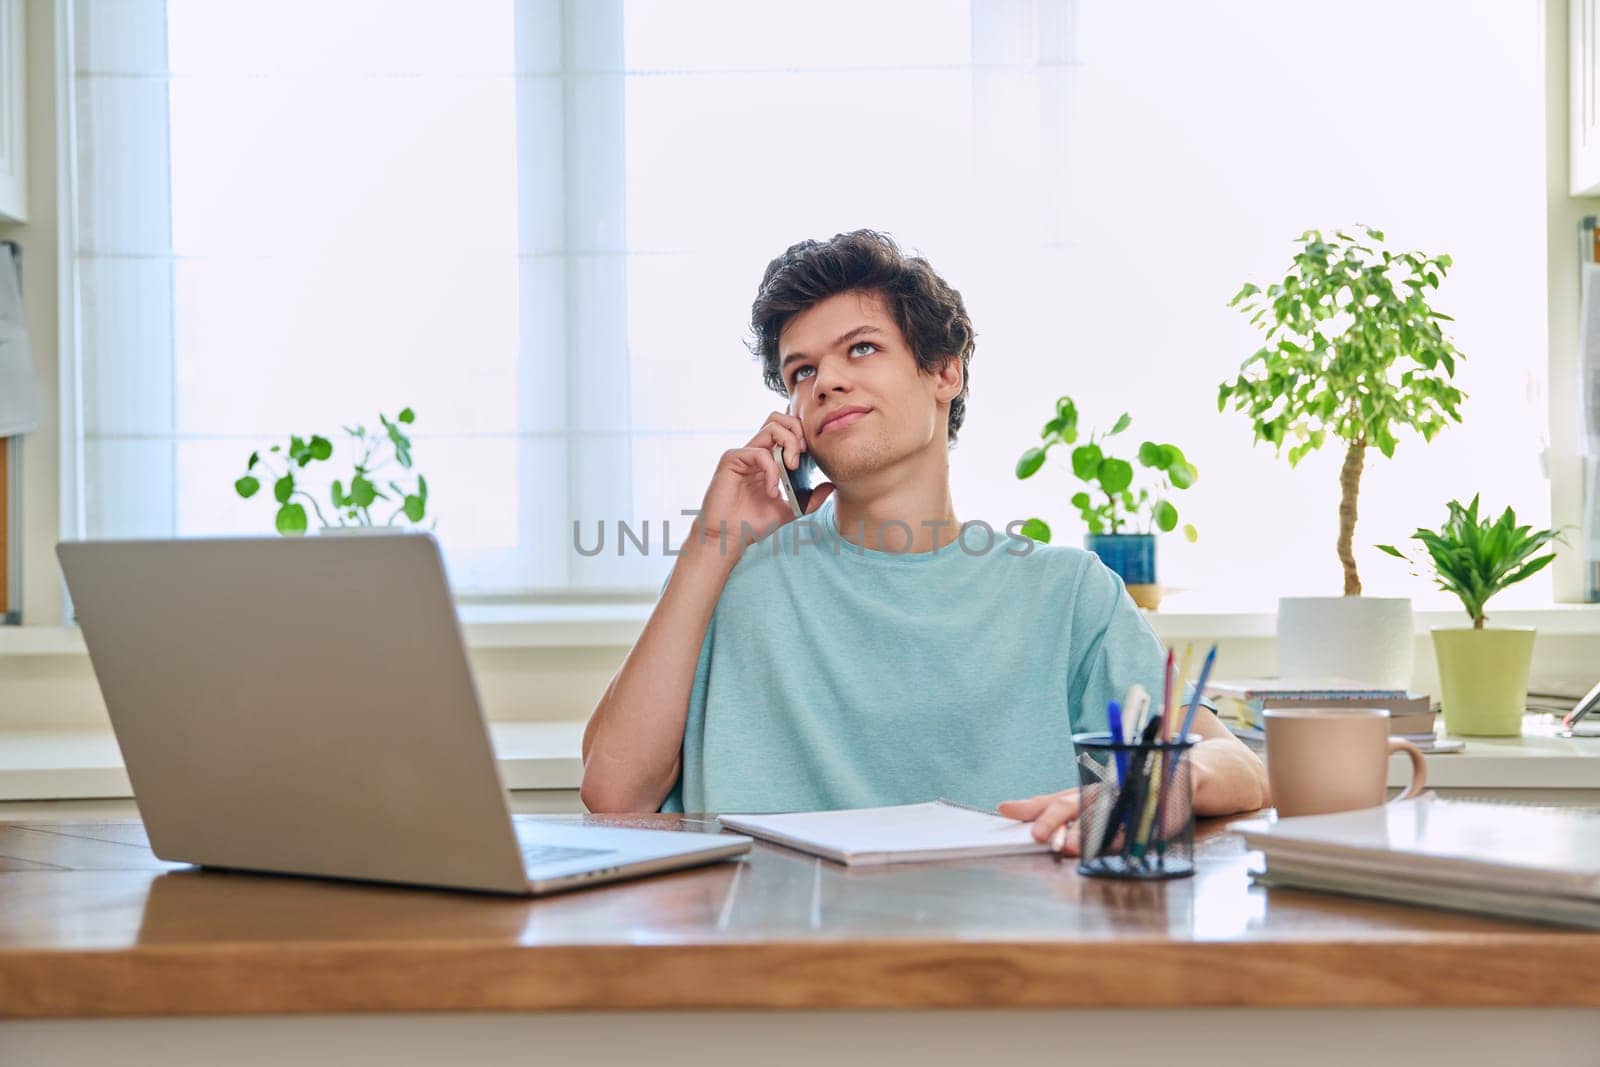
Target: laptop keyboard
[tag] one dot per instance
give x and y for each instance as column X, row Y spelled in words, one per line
column 539, row 855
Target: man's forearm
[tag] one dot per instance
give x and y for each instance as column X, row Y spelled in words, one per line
column 1228, row 777
column 632, row 744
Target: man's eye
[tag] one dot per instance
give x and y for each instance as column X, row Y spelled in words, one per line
column 800, row 371
column 863, row 344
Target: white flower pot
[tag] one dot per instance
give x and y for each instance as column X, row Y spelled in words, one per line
column 1365, row 639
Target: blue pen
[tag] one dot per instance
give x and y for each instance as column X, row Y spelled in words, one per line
column 1199, row 687
column 1114, row 721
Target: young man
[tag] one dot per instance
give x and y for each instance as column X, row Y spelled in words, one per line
column 876, row 651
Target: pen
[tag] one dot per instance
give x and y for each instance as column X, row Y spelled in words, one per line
column 1133, row 711
column 1129, row 804
column 1114, row 721
column 1169, row 720
column 1199, row 687
column 1169, row 767
column 1146, row 815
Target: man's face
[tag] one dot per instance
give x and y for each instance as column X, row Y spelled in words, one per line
column 856, row 387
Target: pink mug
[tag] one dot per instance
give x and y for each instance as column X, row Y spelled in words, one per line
column 1334, row 759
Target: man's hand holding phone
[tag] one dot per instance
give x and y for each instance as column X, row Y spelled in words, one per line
column 747, row 489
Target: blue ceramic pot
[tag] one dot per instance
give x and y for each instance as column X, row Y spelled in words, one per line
column 1133, row 556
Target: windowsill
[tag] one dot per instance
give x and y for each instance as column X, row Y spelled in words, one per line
column 484, row 626
column 1562, row 620
column 84, row 762
column 617, row 625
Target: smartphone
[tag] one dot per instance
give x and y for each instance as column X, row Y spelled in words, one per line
column 796, row 484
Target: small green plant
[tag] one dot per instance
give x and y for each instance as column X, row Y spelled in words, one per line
column 1111, row 501
column 1353, row 351
column 352, row 506
column 1475, row 560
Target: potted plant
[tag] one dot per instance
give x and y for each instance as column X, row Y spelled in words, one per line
column 1355, row 354
column 351, row 507
column 1483, row 671
column 1121, row 518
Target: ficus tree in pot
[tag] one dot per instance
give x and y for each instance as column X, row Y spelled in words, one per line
column 1352, row 353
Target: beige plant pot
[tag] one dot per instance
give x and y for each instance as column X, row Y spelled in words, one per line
column 1483, row 678
column 1147, row 596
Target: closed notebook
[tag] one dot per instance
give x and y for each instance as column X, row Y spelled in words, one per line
column 1502, row 859
column 1245, row 699
column 906, row 833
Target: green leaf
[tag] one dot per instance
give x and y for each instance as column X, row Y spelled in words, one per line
column 1086, row 461
column 1393, row 551
column 320, row 448
column 1081, row 501
column 283, row 488
column 1116, row 475
column 362, row 492
column 414, row 508
column 1183, row 475
column 1154, row 455
column 246, row 486
column 1190, row 534
column 255, row 457
column 402, row 443
column 337, row 493
column 1067, row 412
column 406, row 415
column 1165, row 516
column 1037, row 529
column 291, row 519
column 1122, row 423
column 1031, row 461
column 422, row 487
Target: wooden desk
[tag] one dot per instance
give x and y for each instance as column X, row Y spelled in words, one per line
column 93, row 926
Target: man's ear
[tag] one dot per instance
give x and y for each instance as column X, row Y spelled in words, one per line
column 949, row 379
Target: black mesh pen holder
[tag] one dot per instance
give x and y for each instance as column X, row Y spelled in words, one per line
column 1137, row 809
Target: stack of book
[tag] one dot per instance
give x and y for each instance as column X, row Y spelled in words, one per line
column 1541, row 864
column 1411, row 715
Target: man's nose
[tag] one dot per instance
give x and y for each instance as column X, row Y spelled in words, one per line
column 832, row 374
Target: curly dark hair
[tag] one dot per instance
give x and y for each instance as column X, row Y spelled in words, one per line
column 928, row 311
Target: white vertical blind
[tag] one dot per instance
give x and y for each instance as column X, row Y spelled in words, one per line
column 541, row 224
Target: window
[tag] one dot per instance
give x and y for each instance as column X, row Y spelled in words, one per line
column 541, row 223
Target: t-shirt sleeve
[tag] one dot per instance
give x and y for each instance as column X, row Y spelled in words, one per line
column 697, row 707
column 1114, row 647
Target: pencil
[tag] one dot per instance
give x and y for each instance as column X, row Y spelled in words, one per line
column 1168, row 721
column 1166, row 693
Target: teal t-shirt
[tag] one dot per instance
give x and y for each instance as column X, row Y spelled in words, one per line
column 833, row 676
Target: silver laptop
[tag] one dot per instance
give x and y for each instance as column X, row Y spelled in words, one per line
column 305, row 706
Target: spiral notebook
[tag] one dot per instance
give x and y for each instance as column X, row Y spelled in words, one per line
column 906, row 833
